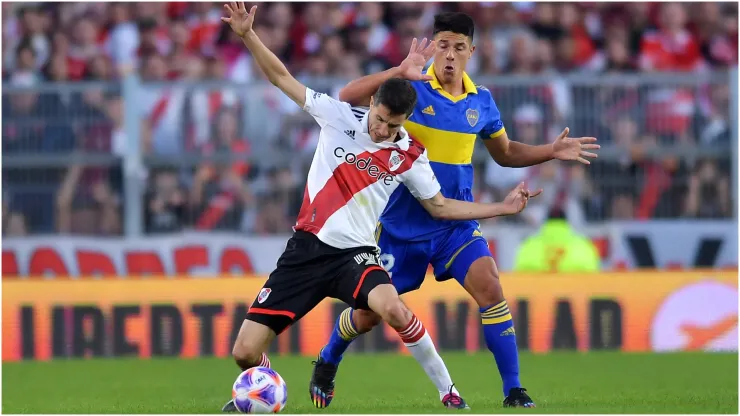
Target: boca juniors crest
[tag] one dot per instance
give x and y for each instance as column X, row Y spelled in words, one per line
column 472, row 116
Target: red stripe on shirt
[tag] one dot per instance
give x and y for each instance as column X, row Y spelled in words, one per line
column 346, row 181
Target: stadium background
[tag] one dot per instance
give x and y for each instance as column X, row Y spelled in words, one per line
column 151, row 177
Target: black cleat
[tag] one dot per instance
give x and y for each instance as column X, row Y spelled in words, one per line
column 230, row 407
column 322, row 383
column 518, row 397
column 453, row 401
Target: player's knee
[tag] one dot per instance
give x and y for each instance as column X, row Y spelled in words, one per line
column 482, row 281
column 365, row 320
column 246, row 354
column 396, row 314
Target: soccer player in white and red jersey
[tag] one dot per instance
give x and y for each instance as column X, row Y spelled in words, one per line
column 363, row 156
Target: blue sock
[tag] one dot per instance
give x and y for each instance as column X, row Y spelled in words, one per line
column 343, row 334
column 498, row 328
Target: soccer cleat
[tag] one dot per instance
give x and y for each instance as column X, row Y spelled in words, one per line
column 453, row 401
column 230, row 407
column 322, row 383
column 518, row 397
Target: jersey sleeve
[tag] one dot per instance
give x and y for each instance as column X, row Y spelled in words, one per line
column 322, row 107
column 420, row 179
column 494, row 125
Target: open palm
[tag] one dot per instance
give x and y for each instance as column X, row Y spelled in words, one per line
column 574, row 148
column 240, row 21
column 419, row 54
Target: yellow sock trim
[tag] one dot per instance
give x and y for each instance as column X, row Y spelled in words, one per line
column 496, row 314
column 346, row 327
column 491, row 321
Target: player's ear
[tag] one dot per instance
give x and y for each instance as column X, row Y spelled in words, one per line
column 472, row 47
column 372, row 101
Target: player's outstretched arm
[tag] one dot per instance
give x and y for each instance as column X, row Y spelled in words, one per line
column 513, row 154
column 241, row 23
column 451, row 209
column 359, row 91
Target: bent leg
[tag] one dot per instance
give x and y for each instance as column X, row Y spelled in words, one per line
column 384, row 300
column 406, row 263
column 251, row 344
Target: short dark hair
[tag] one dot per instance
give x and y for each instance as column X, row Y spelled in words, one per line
column 454, row 22
column 398, row 95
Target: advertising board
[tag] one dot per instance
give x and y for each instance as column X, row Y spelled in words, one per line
column 629, row 311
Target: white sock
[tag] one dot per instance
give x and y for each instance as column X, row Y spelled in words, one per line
column 421, row 346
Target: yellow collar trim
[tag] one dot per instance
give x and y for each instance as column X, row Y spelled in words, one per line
column 468, row 85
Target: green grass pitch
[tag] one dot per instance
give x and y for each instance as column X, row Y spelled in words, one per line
column 560, row 383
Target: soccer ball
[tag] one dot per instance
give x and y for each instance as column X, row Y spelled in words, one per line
column 259, row 390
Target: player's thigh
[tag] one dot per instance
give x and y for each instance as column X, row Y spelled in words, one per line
column 384, row 300
column 370, row 288
column 405, row 261
column 357, row 276
column 457, row 250
column 288, row 295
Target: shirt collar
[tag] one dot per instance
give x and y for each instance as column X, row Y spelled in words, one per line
column 402, row 144
column 468, row 84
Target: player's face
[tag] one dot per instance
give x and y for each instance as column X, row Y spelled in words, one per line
column 382, row 125
column 451, row 56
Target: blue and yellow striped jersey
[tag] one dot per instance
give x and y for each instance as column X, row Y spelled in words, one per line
column 447, row 126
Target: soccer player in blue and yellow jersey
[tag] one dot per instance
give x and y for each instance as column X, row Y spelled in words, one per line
column 450, row 113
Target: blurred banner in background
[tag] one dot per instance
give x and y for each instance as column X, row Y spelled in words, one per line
column 622, row 245
column 634, row 312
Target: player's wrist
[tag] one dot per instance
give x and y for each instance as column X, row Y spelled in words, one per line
column 501, row 209
column 396, row 72
column 249, row 35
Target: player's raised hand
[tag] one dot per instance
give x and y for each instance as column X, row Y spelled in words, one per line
column 419, row 54
column 240, row 21
column 571, row 148
column 517, row 199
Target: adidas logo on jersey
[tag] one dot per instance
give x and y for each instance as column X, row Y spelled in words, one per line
column 350, row 133
column 429, row 110
column 508, row 331
column 367, row 259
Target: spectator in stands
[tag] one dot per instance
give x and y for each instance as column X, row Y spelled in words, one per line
column 716, row 32
column 166, row 203
column 220, row 192
column 29, row 31
column 122, row 39
column 708, row 192
column 93, row 210
column 620, row 176
column 522, row 59
column 672, row 47
column 271, row 217
column 84, row 47
column 717, row 124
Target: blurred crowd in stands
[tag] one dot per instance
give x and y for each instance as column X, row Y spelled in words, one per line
column 172, row 41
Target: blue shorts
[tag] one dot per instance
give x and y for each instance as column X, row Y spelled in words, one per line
column 450, row 253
